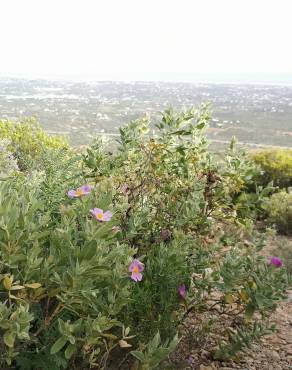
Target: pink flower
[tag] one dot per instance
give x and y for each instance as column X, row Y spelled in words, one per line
column 79, row 192
column 136, row 267
column 276, row 262
column 182, row 291
column 100, row 215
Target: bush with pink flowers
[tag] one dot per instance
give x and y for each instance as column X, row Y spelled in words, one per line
column 104, row 256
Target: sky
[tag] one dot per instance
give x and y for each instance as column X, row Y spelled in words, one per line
column 145, row 39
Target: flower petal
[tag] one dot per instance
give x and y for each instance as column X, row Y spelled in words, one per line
column 277, row 262
column 71, row 193
column 96, row 211
column 136, row 276
column 107, row 216
column 136, row 263
column 86, row 189
column 182, row 291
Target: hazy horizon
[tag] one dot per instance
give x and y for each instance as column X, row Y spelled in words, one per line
column 201, row 78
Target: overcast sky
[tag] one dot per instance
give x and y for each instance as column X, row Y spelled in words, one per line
column 144, row 39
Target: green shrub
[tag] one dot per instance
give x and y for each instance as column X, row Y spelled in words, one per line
column 27, row 141
column 156, row 300
column 276, row 165
column 68, row 300
column 279, row 210
column 8, row 164
column 155, row 352
column 70, row 280
column 250, row 205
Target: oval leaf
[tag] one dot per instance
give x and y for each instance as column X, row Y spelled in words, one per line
column 33, row 285
column 124, row 344
column 7, row 282
column 70, row 351
column 58, row 345
column 17, row 287
column 9, row 339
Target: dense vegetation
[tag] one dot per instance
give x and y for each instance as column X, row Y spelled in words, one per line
column 105, row 255
column 276, row 165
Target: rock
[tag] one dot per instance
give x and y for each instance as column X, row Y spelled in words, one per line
column 204, row 367
column 205, row 354
column 288, row 349
column 274, row 355
column 277, row 367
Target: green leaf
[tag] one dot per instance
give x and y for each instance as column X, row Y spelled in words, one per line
column 33, row 285
column 7, row 282
column 58, row 345
column 70, row 351
column 9, row 339
column 249, row 311
column 139, row 355
column 201, row 125
column 155, row 341
column 109, row 336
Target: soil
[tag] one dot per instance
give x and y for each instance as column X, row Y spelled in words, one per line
column 274, row 352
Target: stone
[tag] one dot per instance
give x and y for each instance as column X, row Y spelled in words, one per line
column 204, row 353
column 274, row 355
column 205, row 367
column 277, row 367
column 288, row 349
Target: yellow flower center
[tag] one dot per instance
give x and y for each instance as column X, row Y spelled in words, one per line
column 135, row 269
column 99, row 216
column 79, row 192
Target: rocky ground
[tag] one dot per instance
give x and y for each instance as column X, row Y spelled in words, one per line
column 274, row 352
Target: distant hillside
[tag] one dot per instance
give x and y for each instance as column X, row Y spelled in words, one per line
column 256, row 114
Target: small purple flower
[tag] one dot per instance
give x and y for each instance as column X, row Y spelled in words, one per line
column 100, row 215
column 136, row 267
column 276, row 261
column 182, row 291
column 79, row 192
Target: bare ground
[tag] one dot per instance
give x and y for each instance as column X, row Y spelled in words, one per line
column 274, row 352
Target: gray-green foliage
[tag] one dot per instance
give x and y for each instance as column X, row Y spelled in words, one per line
column 67, row 263
column 67, row 297
column 241, row 339
column 8, row 164
column 279, row 210
column 155, row 352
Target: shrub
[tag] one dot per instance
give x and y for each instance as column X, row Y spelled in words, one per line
column 68, row 300
column 250, row 205
column 8, row 164
column 27, row 141
column 63, row 285
column 276, row 165
column 156, row 300
column 279, row 210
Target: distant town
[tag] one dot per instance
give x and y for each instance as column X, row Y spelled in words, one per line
column 258, row 115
